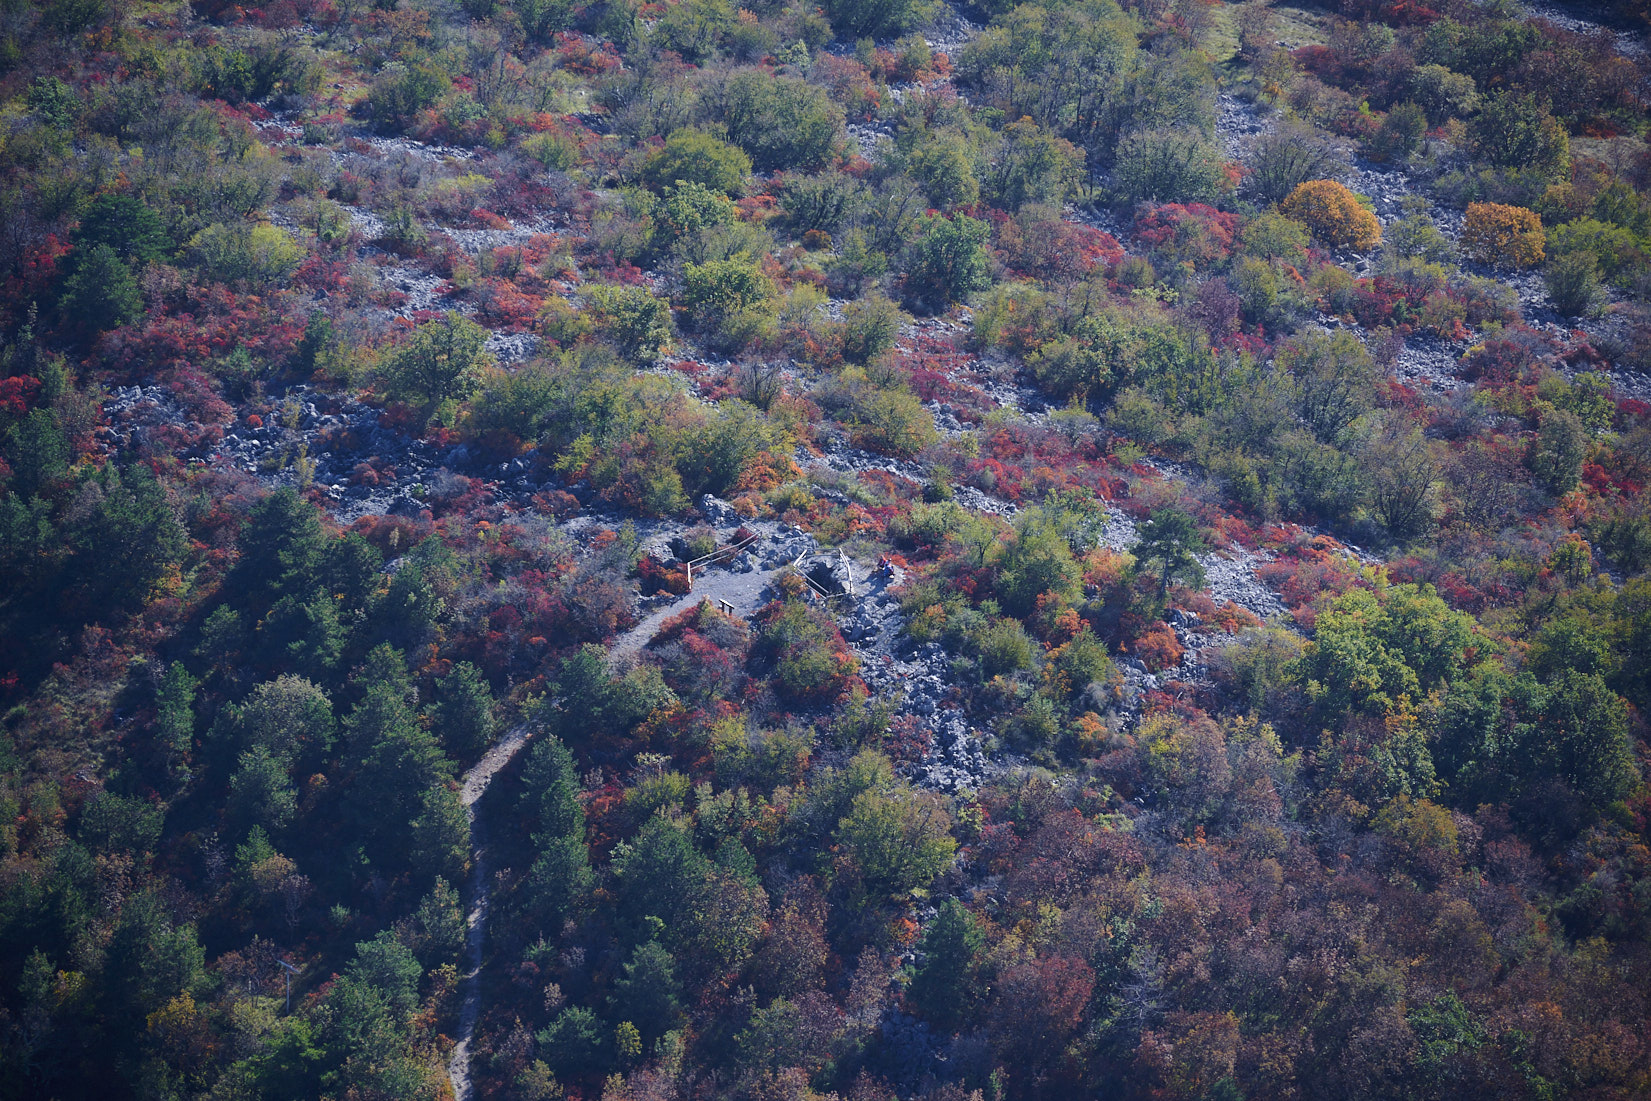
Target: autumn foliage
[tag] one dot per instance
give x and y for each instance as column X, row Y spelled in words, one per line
column 1333, row 214
column 1246, row 710
column 1503, row 236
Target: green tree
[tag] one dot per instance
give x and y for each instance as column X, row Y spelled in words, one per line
column 945, row 166
column 367, row 1053
column 1039, row 561
column 718, row 289
column 395, row 764
column 688, row 209
column 944, row 984
column 1511, row 738
column 550, row 792
column 776, row 1038
column 597, row 705
column 151, row 958
column 1442, row 94
column 541, row 19
column 856, row 264
column 559, row 880
column 111, row 823
column 223, row 634
column 260, row 792
column 1081, row 663
column 1559, row 450
column 53, row 102
column 891, row 420
column 1171, row 539
column 637, row 323
column 695, row 28
column 658, row 873
column 389, row 967
column 782, row 122
column 385, row 695
column 1513, row 130
column 712, row 455
column 288, row 716
column 1272, row 236
column 440, row 365
column 438, row 926
column 824, row 201
column 870, row 328
column 1573, row 284
column 648, row 994
column 947, row 262
column 463, row 711
column 573, row 1044
column 1444, row 1029
column 1286, row 157
column 1401, row 475
column 1574, row 642
column 1171, row 166
column 308, row 635
column 899, row 838
column 438, row 837
column 409, row 609
column 798, row 643
column 123, row 223
column 100, row 293
column 1579, row 734
column 403, row 89
column 1613, row 248
column 693, row 156
column 1033, row 166
column 36, row 451
column 175, row 718
column 1335, row 380
column 239, row 253
column 282, row 546
column 1108, row 350
column 1631, row 634
column 125, row 541
column 1415, row 237
column 1369, row 651
column 1400, row 134
column 855, row 19
column 350, row 570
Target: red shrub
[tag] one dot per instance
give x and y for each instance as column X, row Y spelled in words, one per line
column 908, row 740
column 657, row 577
column 1193, row 233
column 17, row 394
column 1051, row 247
column 392, row 535
column 30, row 280
column 585, row 58
column 1159, row 649
column 849, row 83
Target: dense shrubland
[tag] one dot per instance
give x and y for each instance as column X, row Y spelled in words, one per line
column 1389, row 842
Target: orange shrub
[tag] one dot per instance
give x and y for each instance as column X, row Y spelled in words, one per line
column 1503, row 236
column 1333, row 215
column 1159, row 649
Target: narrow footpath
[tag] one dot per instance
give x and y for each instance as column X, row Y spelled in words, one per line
column 476, row 782
column 743, row 591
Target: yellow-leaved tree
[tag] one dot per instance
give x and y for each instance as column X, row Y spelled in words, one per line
column 1503, row 236
column 1333, row 215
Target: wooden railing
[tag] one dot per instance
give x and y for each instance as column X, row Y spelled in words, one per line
column 721, row 554
column 816, row 587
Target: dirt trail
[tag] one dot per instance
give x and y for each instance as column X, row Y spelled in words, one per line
column 742, row 590
column 476, row 782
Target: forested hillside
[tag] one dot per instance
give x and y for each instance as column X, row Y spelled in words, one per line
column 653, row 551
